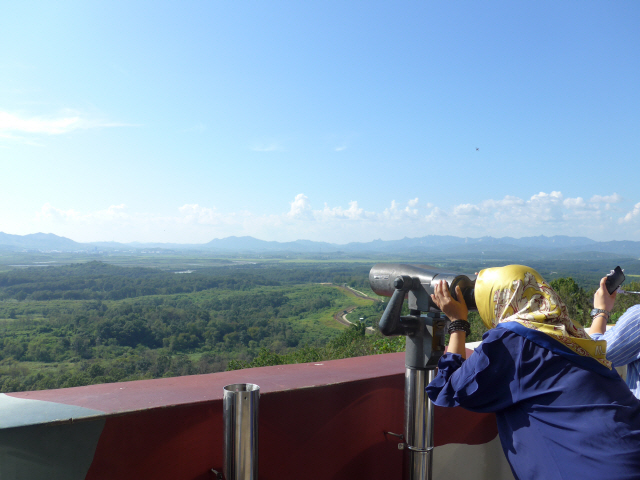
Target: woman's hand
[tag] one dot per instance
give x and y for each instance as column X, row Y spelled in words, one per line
column 453, row 309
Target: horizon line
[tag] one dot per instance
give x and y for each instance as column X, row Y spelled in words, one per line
column 314, row 241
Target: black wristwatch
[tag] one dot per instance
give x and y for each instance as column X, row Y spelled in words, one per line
column 598, row 311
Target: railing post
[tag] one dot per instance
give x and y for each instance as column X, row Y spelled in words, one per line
column 240, row 413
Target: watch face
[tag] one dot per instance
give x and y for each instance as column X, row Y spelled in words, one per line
column 596, row 311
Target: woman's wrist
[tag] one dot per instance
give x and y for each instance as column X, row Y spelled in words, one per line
column 457, row 337
column 461, row 325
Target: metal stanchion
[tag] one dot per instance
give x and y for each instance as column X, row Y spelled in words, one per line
column 424, row 328
column 418, row 429
column 240, row 413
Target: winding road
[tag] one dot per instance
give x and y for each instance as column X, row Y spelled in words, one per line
column 341, row 316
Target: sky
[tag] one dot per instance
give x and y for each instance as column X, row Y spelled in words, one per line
column 181, row 122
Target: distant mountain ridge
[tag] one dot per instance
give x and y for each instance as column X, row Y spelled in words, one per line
column 39, row 241
column 430, row 244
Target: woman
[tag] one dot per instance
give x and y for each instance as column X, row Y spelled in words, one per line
column 562, row 411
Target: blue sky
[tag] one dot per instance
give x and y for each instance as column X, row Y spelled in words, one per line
column 333, row 121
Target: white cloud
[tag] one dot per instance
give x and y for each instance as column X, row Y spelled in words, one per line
column 408, row 212
column 466, row 209
column 633, row 214
column 615, row 198
column 48, row 126
column 51, row 213
column 23, row 128
column 507, row 202
column 112, row 212
column 352, row 213
column 436, row 215
column 542, row 214
column 194, row 213
column 543, row 197
column 574, row 203
column 300, row 207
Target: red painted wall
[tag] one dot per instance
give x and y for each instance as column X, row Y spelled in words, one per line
column 317, row 421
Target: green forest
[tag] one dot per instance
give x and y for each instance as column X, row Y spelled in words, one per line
column 95, row 322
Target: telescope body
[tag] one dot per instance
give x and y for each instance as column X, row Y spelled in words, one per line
column 422, row 279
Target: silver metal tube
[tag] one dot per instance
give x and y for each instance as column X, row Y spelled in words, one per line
column 429, row 406
column 414, row 413
column 418, row 427
column 240, row 412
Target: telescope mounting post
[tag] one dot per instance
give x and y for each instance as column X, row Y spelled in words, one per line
column 425, row 346
column 424, row 328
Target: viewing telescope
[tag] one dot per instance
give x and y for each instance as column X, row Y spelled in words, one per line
column 418, row 282
column 425, row 345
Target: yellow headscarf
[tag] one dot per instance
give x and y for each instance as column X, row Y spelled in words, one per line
column 516, row 293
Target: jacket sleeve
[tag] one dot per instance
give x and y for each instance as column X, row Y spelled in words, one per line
column 486, row 382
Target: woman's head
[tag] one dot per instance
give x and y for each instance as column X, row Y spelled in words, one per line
column 518, row 295
column 516, row 292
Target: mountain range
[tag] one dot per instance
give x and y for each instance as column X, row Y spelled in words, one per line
column 438, row 245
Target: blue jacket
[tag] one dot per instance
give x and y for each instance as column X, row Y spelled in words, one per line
column 557, row 420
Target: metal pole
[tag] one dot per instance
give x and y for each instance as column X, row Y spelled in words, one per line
column 240, row 412
column 431, row 375
column 418, row 428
